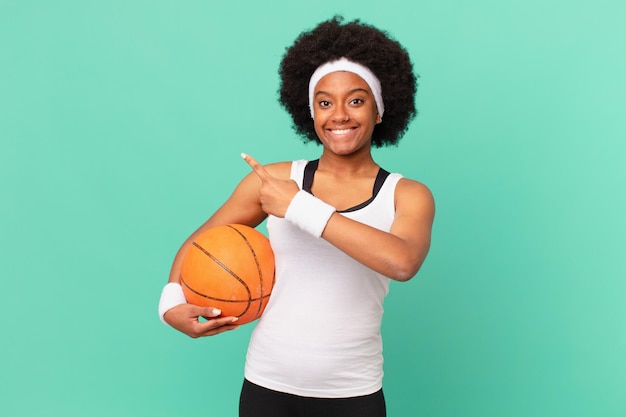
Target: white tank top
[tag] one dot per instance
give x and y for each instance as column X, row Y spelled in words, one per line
column 320, row 333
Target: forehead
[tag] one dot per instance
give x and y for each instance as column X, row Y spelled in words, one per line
column 341, row 81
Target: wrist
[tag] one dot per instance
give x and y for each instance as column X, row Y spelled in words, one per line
column 309, row 213
column 171, row 296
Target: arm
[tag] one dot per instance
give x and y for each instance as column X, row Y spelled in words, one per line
column 242, row 207
column 397, row 254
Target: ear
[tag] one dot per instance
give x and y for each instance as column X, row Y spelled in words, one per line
column 378, row 118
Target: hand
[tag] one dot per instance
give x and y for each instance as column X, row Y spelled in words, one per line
column 275, row 194
column 186, row 319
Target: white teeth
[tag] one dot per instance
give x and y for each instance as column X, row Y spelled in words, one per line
column 341, row 131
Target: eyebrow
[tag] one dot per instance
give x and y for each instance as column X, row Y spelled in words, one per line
column 354, row 90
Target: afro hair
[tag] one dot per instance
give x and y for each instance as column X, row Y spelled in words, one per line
column 361, row 43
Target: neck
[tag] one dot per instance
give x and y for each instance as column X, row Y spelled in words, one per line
column 354, row 164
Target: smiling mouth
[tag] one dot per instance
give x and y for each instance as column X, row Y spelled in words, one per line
column 340, row 131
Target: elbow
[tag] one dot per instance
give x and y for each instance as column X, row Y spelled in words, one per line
column 406, row 267
column 403, row 275
column 407, row 264
column 404, row 271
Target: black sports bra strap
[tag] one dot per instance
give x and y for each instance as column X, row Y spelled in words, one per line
column 380, row 180
column 309, row 174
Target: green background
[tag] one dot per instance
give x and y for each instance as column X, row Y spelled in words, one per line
column 121, row 124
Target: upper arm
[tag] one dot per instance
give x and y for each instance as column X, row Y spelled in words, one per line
column 415, row 212
column 243, row 205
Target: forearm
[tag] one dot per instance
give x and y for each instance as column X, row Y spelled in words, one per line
column 386, row 253
column 177, row 264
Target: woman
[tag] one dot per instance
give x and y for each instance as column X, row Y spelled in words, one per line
column 341, row 227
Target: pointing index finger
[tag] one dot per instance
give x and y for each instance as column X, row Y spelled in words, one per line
column 256, row 167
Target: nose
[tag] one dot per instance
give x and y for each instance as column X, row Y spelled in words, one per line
column 340, row 115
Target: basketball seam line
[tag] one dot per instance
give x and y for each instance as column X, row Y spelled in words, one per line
column 258, row 267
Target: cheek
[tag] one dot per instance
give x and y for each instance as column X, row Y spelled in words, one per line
column 319, row 129
column 318, row 123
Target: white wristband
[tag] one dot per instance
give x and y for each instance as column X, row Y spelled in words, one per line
column 309, row 213
column 171, row 296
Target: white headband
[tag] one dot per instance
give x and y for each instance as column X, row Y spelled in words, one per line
column 344, row 64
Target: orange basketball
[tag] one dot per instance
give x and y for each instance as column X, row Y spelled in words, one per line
column 231, row 268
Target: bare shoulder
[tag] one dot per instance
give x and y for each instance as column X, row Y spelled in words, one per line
column 412, row 189
column 414, row 195
column 281, row 170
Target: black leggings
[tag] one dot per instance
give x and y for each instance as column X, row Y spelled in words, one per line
column 256, row 401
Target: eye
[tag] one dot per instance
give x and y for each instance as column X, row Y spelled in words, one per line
column 324, row 103
column 356, row 101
